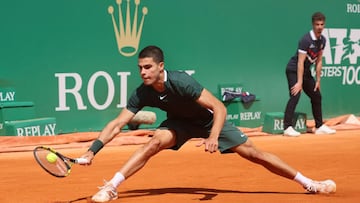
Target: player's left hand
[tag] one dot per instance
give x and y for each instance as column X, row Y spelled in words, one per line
column 211, row 144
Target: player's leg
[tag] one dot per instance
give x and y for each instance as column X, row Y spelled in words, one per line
column 231, row 139
column 279, row 167
column 268, row 160
column 162, row 139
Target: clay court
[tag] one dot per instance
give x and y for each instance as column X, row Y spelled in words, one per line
column 190, row 175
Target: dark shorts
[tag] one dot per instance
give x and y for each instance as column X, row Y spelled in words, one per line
column 230, row 136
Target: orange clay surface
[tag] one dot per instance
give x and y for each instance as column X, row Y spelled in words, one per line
column 191, row 175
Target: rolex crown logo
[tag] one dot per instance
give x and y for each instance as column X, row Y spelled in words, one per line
column 128, row 34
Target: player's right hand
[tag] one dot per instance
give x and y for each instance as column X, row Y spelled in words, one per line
column 89, row 155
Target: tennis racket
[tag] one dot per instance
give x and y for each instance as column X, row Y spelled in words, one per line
column 59, row 165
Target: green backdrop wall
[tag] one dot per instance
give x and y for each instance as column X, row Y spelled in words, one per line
column 64, row 55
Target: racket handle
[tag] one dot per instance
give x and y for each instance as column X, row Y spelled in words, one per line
column 81, row 161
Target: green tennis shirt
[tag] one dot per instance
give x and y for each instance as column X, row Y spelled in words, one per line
column 178, row 99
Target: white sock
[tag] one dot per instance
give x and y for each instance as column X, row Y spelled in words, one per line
column 117, row 179
column 304, row 181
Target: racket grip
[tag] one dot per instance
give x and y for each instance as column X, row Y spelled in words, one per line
column 81, row 161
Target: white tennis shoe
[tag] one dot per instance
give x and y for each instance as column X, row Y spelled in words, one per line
column 106, row 193
column 322, row 187
column 324, row 129
column 291, row 132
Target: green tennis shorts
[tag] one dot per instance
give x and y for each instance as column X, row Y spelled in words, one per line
column 230, row 136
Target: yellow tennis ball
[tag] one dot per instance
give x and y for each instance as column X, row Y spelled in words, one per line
column 51, row 157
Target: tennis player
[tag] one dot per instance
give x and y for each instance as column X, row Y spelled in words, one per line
column 192, row 112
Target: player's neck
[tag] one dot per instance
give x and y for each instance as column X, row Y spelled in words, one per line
column 159, row 85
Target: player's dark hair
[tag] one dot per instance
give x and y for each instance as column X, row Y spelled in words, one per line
column 318, row 16
column 154, row 52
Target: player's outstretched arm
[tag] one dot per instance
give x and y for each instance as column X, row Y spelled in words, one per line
column 108, row 133
column 114, row 127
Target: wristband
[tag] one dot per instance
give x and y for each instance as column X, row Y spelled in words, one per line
column 96, row 146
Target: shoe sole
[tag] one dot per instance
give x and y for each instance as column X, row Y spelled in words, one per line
column 324, row 133
column 98, row 201
column 291, row 135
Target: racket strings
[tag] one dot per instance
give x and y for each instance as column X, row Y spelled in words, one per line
column 58, row 167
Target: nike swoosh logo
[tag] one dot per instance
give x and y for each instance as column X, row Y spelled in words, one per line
column 162, row 97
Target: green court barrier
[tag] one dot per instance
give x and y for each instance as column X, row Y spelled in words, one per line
column 77, row 61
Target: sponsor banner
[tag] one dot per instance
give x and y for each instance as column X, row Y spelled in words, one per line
column 77, row 61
